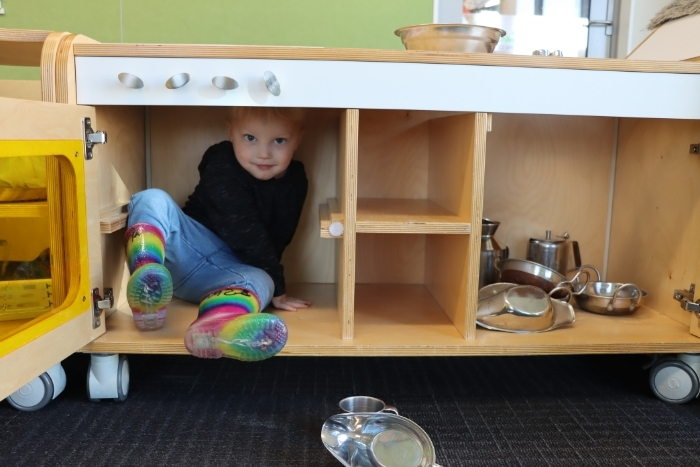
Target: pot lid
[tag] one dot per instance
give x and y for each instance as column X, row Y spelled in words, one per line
column 548, row 238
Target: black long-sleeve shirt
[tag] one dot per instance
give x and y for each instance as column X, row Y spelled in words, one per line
column 255, row 218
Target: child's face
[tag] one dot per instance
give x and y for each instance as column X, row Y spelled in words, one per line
column 264, row 147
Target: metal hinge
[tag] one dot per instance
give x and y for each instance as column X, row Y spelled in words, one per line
column 91, row 138
column 99, row 304
column 608, row 25
column 687, row 299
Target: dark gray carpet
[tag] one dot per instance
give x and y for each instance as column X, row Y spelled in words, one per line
column 490, row 411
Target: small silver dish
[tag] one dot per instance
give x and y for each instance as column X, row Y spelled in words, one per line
column 611, row 298
column 522, row 308
column 608, row 298
column 450, row 37
column 377, row 440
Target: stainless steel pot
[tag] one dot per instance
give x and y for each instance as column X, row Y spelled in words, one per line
column 523, row 272
column 611, row 298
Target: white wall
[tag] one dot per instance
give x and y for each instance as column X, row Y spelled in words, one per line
column 633, row 17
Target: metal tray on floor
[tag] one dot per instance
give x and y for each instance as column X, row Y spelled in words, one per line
column 377, row 440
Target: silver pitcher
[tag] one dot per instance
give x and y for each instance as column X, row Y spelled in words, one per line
column 492, row 254
column 554, row 254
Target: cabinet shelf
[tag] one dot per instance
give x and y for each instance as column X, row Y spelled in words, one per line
column 113, row 218
column 416, row 216
column 403, row 320
column 24, row 209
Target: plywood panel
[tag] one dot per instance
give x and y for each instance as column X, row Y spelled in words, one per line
column 123, row 159
column 373, row 55
column 390, row 259
column 179, row 138
column 457, row 155
column 379, row 215
column 549, row 173
column 656, row 215
column 347, row 200
column 48, row 65
column 181, row 135
column 116, row 171
column 406, row 320
column 65, row 67
column 451, row 150
column 21, row 89
column 310, row 258
column 20, row 47
column 34, row 120
column 393, row 154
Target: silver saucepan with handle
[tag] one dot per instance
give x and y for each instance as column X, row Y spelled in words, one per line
column 524, row 272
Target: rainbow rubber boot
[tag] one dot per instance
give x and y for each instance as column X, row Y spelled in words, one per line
column 230, row 325
column 150, row 286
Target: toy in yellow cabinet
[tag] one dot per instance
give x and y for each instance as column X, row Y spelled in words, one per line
column 150, row 286
column 230, row 325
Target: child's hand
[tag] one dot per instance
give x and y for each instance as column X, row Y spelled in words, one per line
column 289, row 303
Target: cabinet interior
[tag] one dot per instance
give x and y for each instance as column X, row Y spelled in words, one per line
column 418, row 192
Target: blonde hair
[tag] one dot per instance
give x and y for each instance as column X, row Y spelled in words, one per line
column 293, row 114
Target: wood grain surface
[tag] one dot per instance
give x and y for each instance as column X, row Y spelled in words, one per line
column 371, row 55
column 406, row 320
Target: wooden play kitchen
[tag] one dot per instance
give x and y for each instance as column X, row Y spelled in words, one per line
column 406, row 152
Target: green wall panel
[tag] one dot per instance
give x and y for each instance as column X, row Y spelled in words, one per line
column 99, row 20
column 320, row 23
column 316, row 23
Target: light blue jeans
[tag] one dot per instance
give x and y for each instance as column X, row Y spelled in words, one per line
column 198, row 260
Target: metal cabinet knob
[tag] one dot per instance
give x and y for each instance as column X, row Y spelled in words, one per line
column 177, row 81
column 271, row 83
column 224, row 82
column 130, row 81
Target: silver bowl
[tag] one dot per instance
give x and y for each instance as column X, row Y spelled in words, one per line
column 611, row 298
column 450, row 37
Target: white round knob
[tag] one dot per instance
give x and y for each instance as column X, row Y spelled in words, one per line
column 336, row 229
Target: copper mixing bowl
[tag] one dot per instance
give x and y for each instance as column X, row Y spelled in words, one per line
column 450, row 37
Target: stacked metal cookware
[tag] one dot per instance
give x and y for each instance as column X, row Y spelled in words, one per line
column 534, row 295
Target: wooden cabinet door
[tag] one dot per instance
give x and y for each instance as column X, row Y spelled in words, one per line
column 50, row 256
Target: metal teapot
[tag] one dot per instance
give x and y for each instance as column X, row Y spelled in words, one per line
column 554, row 254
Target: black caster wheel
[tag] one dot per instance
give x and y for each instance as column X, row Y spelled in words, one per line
column 674, row 381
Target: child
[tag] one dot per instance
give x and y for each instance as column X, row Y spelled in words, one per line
column 223, row 248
